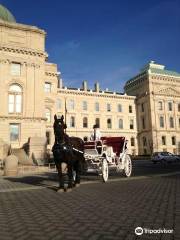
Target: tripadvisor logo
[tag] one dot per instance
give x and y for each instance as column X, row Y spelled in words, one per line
column 140, row 231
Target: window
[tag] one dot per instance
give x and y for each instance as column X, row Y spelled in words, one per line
column 132, row 142
column 72, row 121
column 97, row 107
column 161, row 121
column 47, row 87
column 108, row 107
column 173, row 139
column 109, row 123
column 143, row 123
column 171, row 122
column 178, row 107
column 131, row 125
column 142, row 107
column 59, row 104
column 169, row 106
column 15, row 99
column 71, row 104
column 48, row 137
column 120, row 123
column 160, row 105
column 119, row 108
column 16, row 69
column 144, row 141
column 84, row 105
column 85, row 122
column 163, row 140
column 130, row 109
column 48, row 114
column 97, row 122
column 14, row 132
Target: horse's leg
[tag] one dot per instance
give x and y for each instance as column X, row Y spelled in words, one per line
column 70, row 175
column 78, row 173
column 60, row 175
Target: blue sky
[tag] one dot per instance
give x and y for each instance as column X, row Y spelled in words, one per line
column 104, row 40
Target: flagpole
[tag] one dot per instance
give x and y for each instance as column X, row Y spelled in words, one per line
column 65, row 112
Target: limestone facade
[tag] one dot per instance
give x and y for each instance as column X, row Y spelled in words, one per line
column 157, row 92
column 31, row 92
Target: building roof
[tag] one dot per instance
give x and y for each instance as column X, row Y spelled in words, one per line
column 153, row 68
column 6, row 15
column 165, row 72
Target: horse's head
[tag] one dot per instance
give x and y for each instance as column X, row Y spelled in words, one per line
column 59, row 127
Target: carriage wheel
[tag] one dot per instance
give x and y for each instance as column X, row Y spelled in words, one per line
column 127, row 166
column 105, row 170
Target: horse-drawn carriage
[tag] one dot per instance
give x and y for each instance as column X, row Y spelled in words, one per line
column 106, row 154
column 96, row 156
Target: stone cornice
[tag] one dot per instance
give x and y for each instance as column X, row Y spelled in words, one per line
column 17, row 117
column 95, row 94
column 165, row 77
column 167, row 95
column 28, row 64
column 22, row 27
column 26, row 51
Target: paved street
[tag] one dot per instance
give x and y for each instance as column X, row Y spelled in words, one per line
column 30, row 208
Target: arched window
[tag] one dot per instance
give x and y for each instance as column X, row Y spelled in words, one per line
column 15, row 99
column 48, row 114
column 97, row 122
column 85, row 122
column 72, row 121
column 109, row 123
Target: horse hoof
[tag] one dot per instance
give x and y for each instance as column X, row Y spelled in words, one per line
column 69, row 190
column 60, row 190
column 77, row 185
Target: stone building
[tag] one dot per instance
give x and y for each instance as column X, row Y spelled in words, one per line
column 157, row 92
column 23, row 75
column 31, row 92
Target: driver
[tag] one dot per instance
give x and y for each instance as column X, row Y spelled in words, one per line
column 96, row 135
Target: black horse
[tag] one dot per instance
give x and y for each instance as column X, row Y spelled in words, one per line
column 68, row 150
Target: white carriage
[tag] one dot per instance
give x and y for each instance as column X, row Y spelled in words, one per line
column 105, row 154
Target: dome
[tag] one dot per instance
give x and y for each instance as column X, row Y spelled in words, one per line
column 5, row 14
